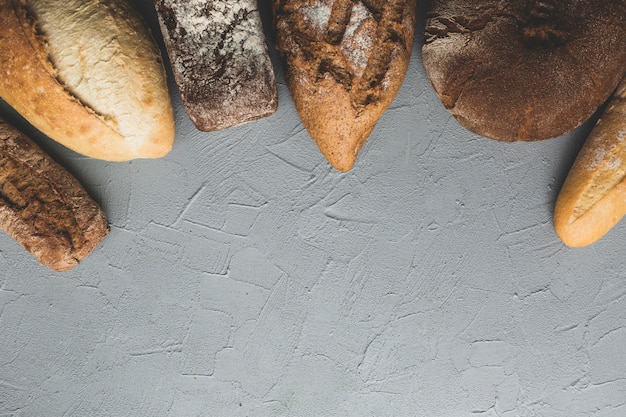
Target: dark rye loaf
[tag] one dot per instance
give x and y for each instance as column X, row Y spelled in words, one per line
column 219, row 59
column 524, row 70
column 44, row 207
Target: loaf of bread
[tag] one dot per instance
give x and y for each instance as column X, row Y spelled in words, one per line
column 88, row 74
column 593, row 197
column 345, row 63
column 524, row 70
column 220, row 60
column 44, row 207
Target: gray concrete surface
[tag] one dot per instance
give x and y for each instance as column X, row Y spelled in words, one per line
column 245, row 277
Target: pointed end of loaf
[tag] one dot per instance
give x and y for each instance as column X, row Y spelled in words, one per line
column 341, row 162
column 341, row 146
column 594, row 223
column 338, row 129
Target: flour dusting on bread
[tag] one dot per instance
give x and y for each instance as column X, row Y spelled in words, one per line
column 220, row 60
column 359, row 38
column 317, row 15
column 345, row 63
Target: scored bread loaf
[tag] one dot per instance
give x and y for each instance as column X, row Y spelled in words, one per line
column 345, row 61
column 219, row 59
column 44, row 207
column 524, row 70
column 88, row 74
column 593, row 197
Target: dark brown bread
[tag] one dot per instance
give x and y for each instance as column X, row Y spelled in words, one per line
column 524, row 70
column 44, row 207
column 220, row 60
column 346, row 61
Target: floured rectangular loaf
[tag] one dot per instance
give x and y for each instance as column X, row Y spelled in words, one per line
column 219, row 59
column 44, row 207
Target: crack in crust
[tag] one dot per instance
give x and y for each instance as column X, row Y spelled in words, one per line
column 375, row 7
column 524, row 70
column 382, row 39
column 43, row 207
column 542, row 28
column 39, row 42
column 539, row 23
column 169, row 18
column 339, row 19
column 608, row 154
column 442, row 26
column 466, row 21
column 223, row 58
column 29, row 195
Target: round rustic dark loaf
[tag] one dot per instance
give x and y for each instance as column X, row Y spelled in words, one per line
column 524, row 70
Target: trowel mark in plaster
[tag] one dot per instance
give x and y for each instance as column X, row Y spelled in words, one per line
column 242, row 301
column 400, row 350
column 609, row 318
column 492, row 353
column 167, row 347
column 287, row 250
column 208, row 334
column 488, row 375
column 488, row 388
column 240, row 219
column 8, row 297
column 331, row 381
column 589, row 398
column 237, row 216
column 252, row 266
column 276, row 334
column 195, row 196
column 325, row 235
column 332, row 327
column 610, row 292
column 289, row 160
column 197, row 253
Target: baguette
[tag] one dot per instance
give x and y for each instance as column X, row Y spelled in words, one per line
column 220, row 60
column 44, row 207
column 345, row 61
column 87, row 74
column 593, row 197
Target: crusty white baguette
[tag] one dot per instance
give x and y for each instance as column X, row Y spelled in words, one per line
column 88, row 74
column 43, row 207
column 593, row 197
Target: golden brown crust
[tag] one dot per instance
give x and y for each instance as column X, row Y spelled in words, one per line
column 29, row 82
column 345, row 63
column 593, row 197
column 43, row 207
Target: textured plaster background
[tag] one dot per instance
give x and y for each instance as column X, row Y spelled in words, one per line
column 245, row 277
